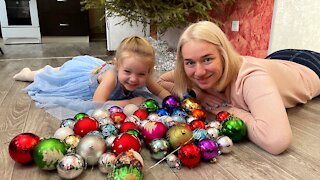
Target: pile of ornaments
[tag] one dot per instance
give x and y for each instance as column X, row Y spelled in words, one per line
column 112, row 138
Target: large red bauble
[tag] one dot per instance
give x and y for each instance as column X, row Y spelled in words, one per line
column 153, row 130
column 118, row 117
column 125, row 142
column 222, row 115
column 197, row 124
column 142, row 114
column 22, row 146
column 85, row 125
column 128, row 125
column 189, row 155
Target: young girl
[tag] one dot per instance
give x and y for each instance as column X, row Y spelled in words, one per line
column 85, row 81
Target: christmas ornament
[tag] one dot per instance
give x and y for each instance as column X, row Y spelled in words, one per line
column 180, row 112
column 134, row 132
column 173, row 161
column 153, row 130
column 125, row 142
column 200, row 134
column 100, row 114
column 179, row 135
column 131, row 158
column 105, row 121
column 69, row 122
column 234, row 128
column 225, row 144
column 222, row 115
column 63, row 132
column 72, row 142
column 71, row 166
column 107, row 162
column 109, row 140
column 127, row 125
column 214, row 124
column 48, row 152
column 209, row 149
column 190, row 118
column 171, row 102
column 85, row 125
column 213, row 133
column 96, row 133
column 142, row 114
column 114, row 109
column 127, row 172
column 153, row 117
column 109, row 129
column 80, row 116
column 167, row 120
column 178, row 119
column 189, row 155
column 118, row 117
column 198, row 124
column 130, row 109
column 199, row 114
column 159, row 148
column 163, row 112
column 189, row 104
column 134, row 119
column 90, row 148
column 21, row 147
column 150, row 105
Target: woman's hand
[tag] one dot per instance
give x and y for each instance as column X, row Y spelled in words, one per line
column 211, row 101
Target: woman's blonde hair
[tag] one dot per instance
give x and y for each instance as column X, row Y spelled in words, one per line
column 209, row 32
column 135, row 46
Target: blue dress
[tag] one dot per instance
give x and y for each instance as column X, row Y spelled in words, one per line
column 71, row 89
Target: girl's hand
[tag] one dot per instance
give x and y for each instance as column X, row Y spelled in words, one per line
column 137, row 100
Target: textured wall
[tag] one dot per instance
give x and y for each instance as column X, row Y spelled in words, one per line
column 296, row 24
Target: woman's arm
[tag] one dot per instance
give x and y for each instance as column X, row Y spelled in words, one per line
column 156, row 89
column 166, row 80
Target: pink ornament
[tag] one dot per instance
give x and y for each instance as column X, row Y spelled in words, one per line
column 153, row 130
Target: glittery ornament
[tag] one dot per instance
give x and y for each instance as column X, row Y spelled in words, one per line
column 105, row 121
column 63, row 132
column 108, row 130
column 189, row 155
column 173, row 161
column 179, row 135
column 69, row 122
column 234, row 128
column 142, row 114
column 118, row 117
column 198, row 124
column 163, row 112
column 48, row 152
column 153, row 117
column 72, row 142
column 124, row 142
column 21, row 147
column 90, row 148
column 134, row 119
column 150, row 105
column 131, row 158
column 189, row 104
column 96, row 133
column 222, row 116
column 200, row 134
column 225, row 144
column 153, row 130
column 171, row 102
column 209, row 149
column 107, row 162
column 168, row 121
column 100, row 113
column 180, row 112
column 159, row 148
column 71, row 166
column 127, row 172
column 126, row 126
column 199, row 114
column 114, row 109
column 130, row 109
column 109, row 141
column 213, row 133
column 80, row 116
column 85, row 125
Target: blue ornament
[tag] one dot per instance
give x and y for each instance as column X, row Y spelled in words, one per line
column 108, row 130
column 163, row 112
column 200, row 134
column 180, row 112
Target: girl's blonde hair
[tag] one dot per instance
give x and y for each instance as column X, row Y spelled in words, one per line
column 209, row 32
column 135, row 46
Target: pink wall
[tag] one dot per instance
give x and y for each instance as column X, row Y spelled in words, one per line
column 255, row 18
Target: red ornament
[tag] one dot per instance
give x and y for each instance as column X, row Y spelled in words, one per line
column 141, row 113
column 197, row 124
column 85, row 125
column 22, row 146
column 199, row 114
column 222, row 115
column 128, row 125
column 125, row 142
column 118, row 117
column 189, row 155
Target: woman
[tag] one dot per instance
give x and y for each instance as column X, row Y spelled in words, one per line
column 256, row 90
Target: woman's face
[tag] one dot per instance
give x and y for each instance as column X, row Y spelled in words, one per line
column 132, row 73
column 202, row 63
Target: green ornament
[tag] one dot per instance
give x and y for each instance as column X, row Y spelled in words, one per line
column 80, row 116
column 150, row 105
column 127, row 172
column 48, row 152
column 234, row 128
column 134, row 132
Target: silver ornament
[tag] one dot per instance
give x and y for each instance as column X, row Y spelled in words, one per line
column 99, row 114
column 173, row 161
column 71, row 166
column 190, row 118
column 213, row 133
column 153, row 117
column 133, row 118
column 109, row 140
column 130, row 109
column 179, row 119
column 63, row 132
column 214, row 124
column 107, row 162
column 90, row 148
column 159, row 148
column 105, row 121
column 69, row 122
column 225, row 144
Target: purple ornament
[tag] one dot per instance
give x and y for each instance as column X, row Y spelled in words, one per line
column 114, row 109
column 171, row 102
column 209, row 149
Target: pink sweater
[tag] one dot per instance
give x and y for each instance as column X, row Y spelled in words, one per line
column 260, row 95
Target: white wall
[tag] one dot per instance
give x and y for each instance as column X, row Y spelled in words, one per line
column 295, row 24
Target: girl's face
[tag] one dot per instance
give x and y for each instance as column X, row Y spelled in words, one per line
column 202, row 63
column 132, row 73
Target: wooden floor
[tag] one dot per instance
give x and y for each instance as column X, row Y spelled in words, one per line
column 18, row 114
